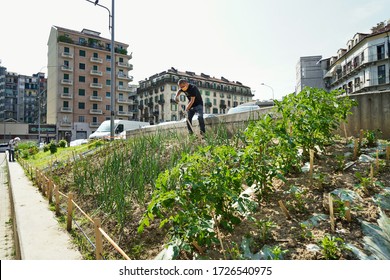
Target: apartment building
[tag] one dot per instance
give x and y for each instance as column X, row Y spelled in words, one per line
column 364, row 65
column 79, row 82
column 156, row 95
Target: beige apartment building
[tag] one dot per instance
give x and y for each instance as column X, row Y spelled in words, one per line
column 79, row 82
column 156, row 95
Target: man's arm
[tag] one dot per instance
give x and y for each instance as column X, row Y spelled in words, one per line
column 177, row 95
column 189, row 105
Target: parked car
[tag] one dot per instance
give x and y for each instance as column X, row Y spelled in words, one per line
column 243, row 108
column 3, row 147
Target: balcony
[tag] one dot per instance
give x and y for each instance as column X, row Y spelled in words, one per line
column 96, row 112
column 67, row 55
column 96, row 60
column 66, row 82
column 66, row 95
column 66, row 109
column 94, row 124
column 67, row 68
column 125, row 65
column 96, row 73
column 124, row 113
column 125, row 101
column 124, row 88
column 95, row 85
column 123, row 76
column 65, row 123
column 95, row 98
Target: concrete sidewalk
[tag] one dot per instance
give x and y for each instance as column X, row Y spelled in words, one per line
column 39, row 235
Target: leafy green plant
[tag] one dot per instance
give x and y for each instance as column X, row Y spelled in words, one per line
column 264, row 227
column 371, row 137
column 204, row 186
column 297, row 194
column 313, row 114
column 332, row 247
column 52, row 147
column 306, row 233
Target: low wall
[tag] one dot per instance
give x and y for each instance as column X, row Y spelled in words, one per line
column 372, row 113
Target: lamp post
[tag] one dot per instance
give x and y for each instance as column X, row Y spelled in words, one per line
column 273, row 96
column 110, row 26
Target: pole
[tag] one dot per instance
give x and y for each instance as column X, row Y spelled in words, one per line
column 273, row 95
column 112, row 71
column 112, row 27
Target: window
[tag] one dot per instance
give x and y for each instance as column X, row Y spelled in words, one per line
column 95, row 68
column 81, row 119
column 66, row 90
column 94, row 93
column 66, row 50
column 95, row 80
column 207, row 93
column 82, row 66
column 82, row 79
column 82, row 53
column 95, row 55
column 108, row 95
column 173, row 88
column 108, row 108
column 108, row 82
column 381, row 74
column 81, row 92
column 65, row 104
column 380, row 50
column 94, row 106
column 81, row 105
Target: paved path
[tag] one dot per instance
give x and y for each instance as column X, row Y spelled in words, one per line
column 40, row 235
column 7, row 249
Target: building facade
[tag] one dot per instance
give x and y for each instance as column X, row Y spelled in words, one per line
column 309, row 72
column 156, row 95
column 363, row 66
column 79, row 82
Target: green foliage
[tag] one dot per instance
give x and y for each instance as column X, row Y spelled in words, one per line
column 332, row 247
column 372, row 137
column 62, row 143
column 264, row 227
column 313, row 114
column 203, row 187
column 52, row 147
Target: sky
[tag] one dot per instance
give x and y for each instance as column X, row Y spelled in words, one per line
column 250, row 41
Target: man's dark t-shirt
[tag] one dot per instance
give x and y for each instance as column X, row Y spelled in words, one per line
column 193, row 91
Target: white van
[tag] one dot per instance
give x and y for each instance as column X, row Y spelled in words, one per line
column 104, row 130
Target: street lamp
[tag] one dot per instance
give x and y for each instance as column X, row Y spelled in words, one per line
column 273, row 96
column 110, row 26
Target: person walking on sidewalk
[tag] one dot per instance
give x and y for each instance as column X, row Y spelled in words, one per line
column 195, row 104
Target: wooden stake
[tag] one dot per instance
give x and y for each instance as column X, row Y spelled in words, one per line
column 50, row 191
column 69, row 212
column 356, row 149
column 345, row 133
column 377, row 160
column 372, row 174
column 347, row 210
column 57, row 198
column 311, row 165
column 361, row 137
column 388, row 153
column 331, row 212
column 98, row 240
column 284, row 209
